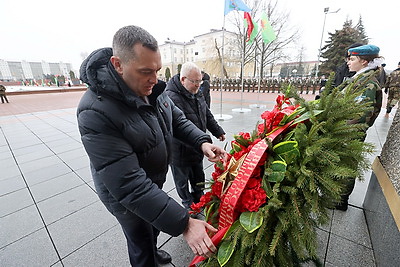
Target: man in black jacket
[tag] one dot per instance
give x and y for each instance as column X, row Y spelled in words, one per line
column 127, row 124
column 205, row 88
column 187, row 162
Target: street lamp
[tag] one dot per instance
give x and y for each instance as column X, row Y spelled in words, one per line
column 326, row 11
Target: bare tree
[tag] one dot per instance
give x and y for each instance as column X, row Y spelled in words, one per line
column 217, row 48
column 258, row 52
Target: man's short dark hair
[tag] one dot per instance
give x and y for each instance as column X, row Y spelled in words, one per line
column 126, row 37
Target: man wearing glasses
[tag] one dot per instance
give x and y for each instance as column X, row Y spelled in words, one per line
column 186, row 162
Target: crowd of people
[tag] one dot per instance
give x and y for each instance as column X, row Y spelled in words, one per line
column 308, row 85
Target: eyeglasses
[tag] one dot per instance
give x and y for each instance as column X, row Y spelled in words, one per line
column 197, row 82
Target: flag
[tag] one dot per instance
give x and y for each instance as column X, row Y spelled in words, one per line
column 237, row 5
column 252, row 28
column 267, row 32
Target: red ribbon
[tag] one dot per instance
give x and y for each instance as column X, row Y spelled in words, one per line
column 227, row 214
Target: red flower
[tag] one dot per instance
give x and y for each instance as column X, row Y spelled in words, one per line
column 239, row 154
column 260, row 128
column 196, row 207
column 281, row 99
column 216, row 189
column 253, row 183
column 252, row 197
column 218, row 171
column 245, row 135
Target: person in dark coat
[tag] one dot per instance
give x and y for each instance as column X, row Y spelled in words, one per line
column 205, row 88
column 187, row 162
column 126, row 124
column 3, row 94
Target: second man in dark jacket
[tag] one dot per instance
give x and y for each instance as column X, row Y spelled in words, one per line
column 186, row 162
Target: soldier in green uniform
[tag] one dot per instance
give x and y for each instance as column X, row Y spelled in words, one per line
column 393, row 85
column 365, row 61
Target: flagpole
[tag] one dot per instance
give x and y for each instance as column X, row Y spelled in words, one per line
column 244, row 52
column 258, row 105
column 259, row 83
column 229, row 6
column 221, row 116
column 241, row 109
column 222, row 64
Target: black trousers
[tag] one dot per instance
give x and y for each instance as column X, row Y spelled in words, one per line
column 141, row 239
column 183, row 176
column 141, row 236
column 347, row 189
column 3, row 97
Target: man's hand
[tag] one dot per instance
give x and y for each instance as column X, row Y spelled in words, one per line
column 197, row 238
column 213, row 152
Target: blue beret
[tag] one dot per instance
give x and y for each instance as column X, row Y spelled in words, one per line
column 364, row 50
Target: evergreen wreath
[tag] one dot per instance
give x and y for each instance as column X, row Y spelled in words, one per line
column 310, row 149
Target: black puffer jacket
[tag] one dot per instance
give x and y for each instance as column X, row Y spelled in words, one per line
column 127, row 142
column 196, row 110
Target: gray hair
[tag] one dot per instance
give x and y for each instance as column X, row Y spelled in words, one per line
column 126, row 37
column 187, row 68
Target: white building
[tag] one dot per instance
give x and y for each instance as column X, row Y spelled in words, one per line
column 204, row 50
column 24, row 70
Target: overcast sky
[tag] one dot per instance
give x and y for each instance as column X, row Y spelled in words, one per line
column 57, row 31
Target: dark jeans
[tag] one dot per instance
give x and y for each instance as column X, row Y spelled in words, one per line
column 192, row 174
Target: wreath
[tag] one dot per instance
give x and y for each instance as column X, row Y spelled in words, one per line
column 274, row 190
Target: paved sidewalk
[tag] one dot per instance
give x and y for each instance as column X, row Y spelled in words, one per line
column 50, row 214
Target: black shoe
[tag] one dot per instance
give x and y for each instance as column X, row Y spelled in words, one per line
column 342, row 206
column 163, row 257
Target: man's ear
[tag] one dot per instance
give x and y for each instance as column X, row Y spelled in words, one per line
column 116, row 61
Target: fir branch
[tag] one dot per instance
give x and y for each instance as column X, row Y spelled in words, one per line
column 281, row 226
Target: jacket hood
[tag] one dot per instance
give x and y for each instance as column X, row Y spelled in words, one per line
column 95, row 60
column 101, row 77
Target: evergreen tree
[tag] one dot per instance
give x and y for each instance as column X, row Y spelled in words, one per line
column 72, row 75
column 363, row 38
column 167, row 74
column 335, row 49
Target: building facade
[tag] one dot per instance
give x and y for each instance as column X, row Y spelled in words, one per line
column 24, row 70
column 206, row 51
